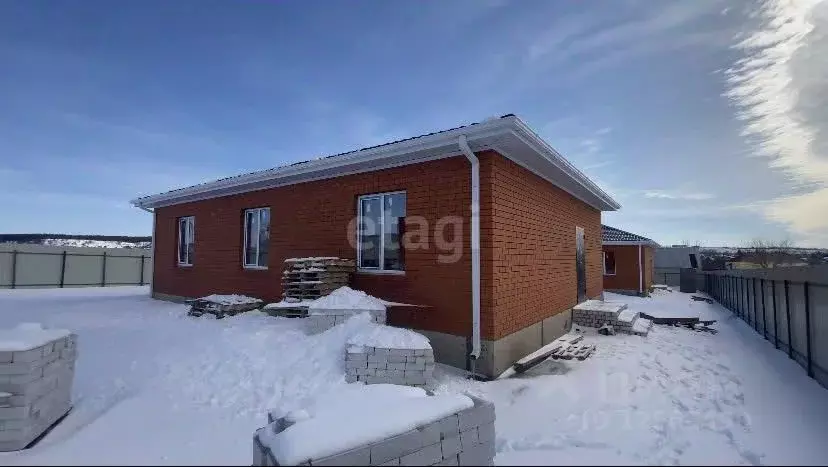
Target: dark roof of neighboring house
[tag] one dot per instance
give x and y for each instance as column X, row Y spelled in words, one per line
column 613, row 235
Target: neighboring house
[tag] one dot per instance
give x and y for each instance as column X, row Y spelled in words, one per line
column 628, row 261
column 669, row 261
column 538, row 235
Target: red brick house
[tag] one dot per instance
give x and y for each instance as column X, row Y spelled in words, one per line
column 628, row 261
column 498, row 281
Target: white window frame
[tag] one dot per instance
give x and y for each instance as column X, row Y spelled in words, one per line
column 189, row 226
column 605, row 264
column 258, row 228
column 381, row 268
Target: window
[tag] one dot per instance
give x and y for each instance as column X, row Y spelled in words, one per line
column 609, row 263
column 694, row 263
column 186, row 240
column 381, row 225
column 256, row 237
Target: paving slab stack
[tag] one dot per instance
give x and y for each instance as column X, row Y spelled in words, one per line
column 381, row 365
column 320, row 320
column 596, row 313
column 223, row 305
column 314, row 277
column 466, row 437
column 37, row 368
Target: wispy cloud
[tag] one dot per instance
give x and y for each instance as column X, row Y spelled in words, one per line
column 779, row 88
column 678, row 195
column 598, row 42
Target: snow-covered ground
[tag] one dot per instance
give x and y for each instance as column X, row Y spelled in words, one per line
column 154, row 386
column 94, row 243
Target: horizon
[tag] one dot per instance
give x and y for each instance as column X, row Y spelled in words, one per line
column 672, row 108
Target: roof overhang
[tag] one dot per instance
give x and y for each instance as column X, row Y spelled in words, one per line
column 508, row 135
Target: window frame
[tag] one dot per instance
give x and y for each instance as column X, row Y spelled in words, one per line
column 381, row 268
column 258, row 210
column 614, row 264
column 189, row 224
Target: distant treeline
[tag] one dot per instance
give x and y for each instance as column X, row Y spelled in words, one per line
column 38, row 238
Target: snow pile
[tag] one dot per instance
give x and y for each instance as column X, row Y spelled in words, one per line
column 231, row 299
column 349, row 395
column 195, row 390
column 27, row 336
column 627, row 316
column 346, row 298
column 356, row 418
column 388, row 337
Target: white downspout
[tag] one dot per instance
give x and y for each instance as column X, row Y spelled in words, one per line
column 475, row 243
column 640, row 272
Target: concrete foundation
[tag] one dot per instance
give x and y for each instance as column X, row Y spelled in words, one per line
column 464, row 438
column 498, row 355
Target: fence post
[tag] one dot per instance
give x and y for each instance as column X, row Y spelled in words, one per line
column 729, row 300
column 764, row 314
column 808, row 329
column 725, row 291
column 755, row 320
column 142, row 269
column 742, row 293
column 775, row 319
column 740, row 287
column 788, row 317
column 14, row 269
column 62, row 268
column 103, row 270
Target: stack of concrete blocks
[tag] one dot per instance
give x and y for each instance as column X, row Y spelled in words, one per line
column 380, row 365
column 35, row 389
column 466, row 437
column 596, row 313
column 321, row 320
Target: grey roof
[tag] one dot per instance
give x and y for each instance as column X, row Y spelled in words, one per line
column 294, row 164
column 613, row 235
column 507, row 134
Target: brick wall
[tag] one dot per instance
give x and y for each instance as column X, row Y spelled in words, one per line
column 311, row 219
column 626, row 267
column 528, row 243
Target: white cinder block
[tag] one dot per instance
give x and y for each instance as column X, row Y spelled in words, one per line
column 39, row 381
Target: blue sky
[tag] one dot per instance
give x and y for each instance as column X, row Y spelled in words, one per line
column 706, row 119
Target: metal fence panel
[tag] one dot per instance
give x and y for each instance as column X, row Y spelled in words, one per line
column 819, row 332
column 39, row 266
column 792, row 314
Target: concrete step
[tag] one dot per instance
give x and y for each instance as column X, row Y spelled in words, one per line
column 595, row 313
column 602, row 306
